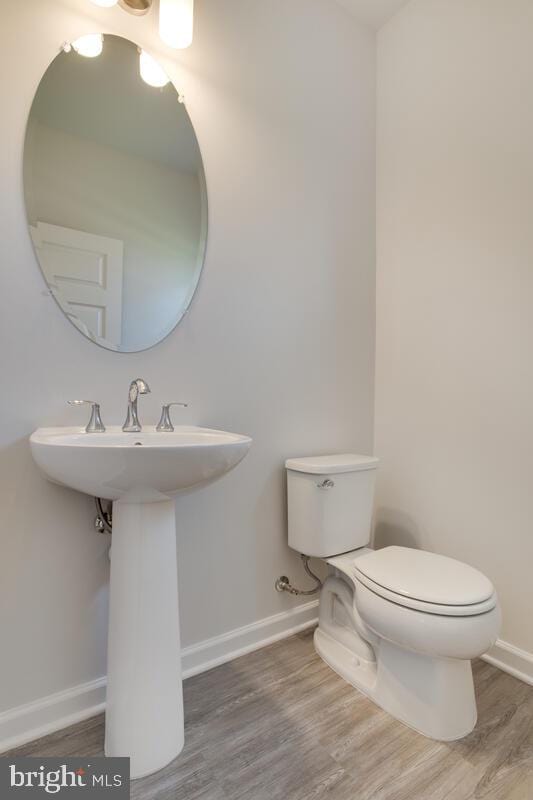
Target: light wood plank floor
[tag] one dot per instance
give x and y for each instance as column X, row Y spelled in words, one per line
column 279, row 725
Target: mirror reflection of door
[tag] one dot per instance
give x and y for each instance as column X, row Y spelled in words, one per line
column 111, row 162
column 84, row 273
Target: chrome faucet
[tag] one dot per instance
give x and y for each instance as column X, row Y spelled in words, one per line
column 137, row 387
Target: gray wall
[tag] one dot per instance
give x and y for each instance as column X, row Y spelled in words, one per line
column 454, row 374
column 278, row 344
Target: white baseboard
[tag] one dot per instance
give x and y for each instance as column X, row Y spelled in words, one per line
column 54, row 712
column 33, row 720
column 213, row 652
column 511, row 659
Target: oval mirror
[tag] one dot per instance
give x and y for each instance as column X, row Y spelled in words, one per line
column 115, row 193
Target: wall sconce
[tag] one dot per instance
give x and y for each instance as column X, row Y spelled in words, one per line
column 176, row 18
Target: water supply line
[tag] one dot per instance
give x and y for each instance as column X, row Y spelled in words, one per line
column 283, row 584
column 104, row 518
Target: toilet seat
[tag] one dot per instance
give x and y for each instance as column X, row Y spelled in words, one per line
column 422, row 581
column 429, row 608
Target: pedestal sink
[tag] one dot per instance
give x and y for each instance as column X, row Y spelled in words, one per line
column 141, row 472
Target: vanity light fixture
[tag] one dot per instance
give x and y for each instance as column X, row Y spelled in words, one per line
column 89, row 46
column 137, row 7
column 176, row 18
column 151, row 72
column 133, row 6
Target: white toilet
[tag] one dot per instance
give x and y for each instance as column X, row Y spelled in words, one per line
column 399, row 624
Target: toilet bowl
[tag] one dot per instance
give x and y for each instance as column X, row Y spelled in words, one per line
column 399, row 624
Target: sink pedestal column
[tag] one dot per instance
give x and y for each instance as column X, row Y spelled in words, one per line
column 144, row 718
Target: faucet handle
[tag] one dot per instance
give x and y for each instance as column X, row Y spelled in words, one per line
column 165, row 423
column 95, row 424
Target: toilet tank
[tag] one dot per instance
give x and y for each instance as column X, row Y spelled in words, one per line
column 330, row 502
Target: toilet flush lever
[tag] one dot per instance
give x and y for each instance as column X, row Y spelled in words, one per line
column 327, row 484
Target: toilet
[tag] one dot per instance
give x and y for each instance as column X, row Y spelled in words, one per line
column 399, row 624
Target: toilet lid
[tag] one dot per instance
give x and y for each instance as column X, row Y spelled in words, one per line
column 422, row 576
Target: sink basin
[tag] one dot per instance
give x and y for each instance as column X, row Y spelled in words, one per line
column 141, row 473
column 136, row 467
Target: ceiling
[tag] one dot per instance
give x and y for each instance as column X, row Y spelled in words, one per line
column 374, row 13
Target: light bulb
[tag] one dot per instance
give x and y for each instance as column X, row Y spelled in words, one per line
column 89, row 46
column 151, row 72
column 176, row 20
column 105, row 3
